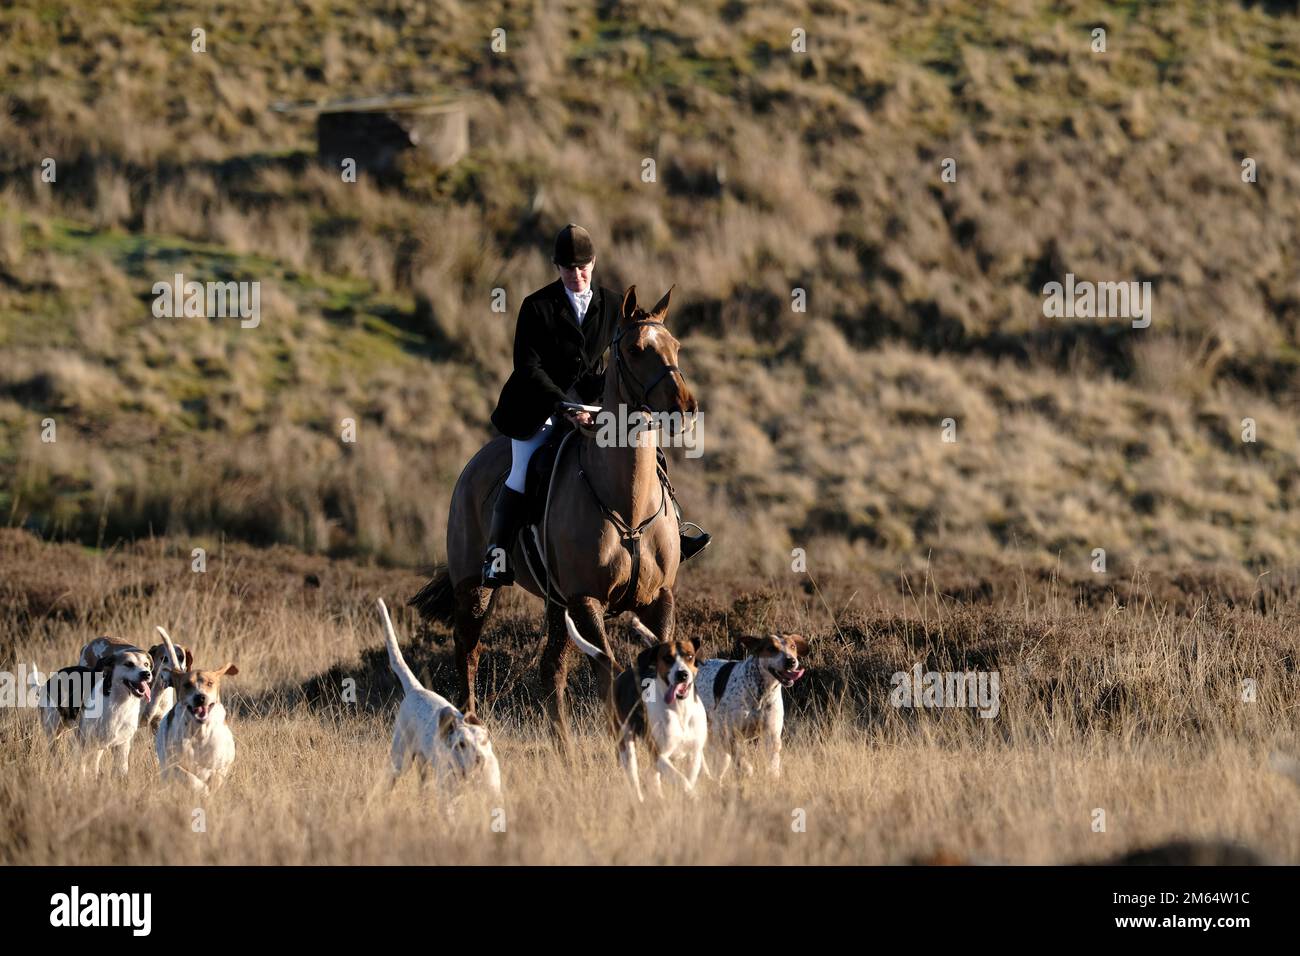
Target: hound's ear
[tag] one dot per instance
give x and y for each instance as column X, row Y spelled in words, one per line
column 750, row 644
column 629, row 303
column 660, row 311
column 89, row 656
column 230, row 670
column 446, row 721
column 800, row 643
column 696, row 644
column 472, row 718
column 188, row 656
column 646, row 659
column 106, row 664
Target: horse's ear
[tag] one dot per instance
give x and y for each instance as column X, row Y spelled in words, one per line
column 660, row 311
column 629, row 303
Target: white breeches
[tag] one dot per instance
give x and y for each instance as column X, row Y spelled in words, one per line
column 521, row 451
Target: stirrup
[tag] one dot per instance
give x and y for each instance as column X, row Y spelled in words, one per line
column 693, row 544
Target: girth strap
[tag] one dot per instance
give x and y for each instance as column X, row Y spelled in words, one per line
column 630, row 537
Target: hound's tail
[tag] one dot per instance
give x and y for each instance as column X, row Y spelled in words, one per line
column 436, row 601
column 171, row 648
column 591, row 650
column 395, row 659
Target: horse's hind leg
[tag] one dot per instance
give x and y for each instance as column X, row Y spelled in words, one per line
column 659, row 615
column 473, row 605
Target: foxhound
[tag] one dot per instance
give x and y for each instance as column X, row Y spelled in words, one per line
column 161, row 696
column 433, row 734
column 193, row 743
column 655, row 700
column 743, row 699
column 101, row 703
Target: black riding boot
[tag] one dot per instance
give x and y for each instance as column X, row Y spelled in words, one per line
column 693, row 544
column 507, row 516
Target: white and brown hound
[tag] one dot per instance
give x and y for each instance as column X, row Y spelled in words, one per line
column 194, row 744
column 161, row 696
column 101, row 703
column 743, row 699
column 655, row 700
column 433, row 734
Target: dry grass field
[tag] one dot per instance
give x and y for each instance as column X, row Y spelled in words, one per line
column 1126, row 699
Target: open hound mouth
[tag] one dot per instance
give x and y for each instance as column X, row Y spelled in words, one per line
column 200, row 712
column 789, row 676
column 682, row 691
column 140, row 689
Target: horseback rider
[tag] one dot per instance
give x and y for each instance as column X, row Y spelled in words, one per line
column 561, row 337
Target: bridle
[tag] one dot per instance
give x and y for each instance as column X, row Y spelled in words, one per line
column 629, row 536
column 620, row 365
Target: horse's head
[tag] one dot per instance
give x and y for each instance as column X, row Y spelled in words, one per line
column 645, row 359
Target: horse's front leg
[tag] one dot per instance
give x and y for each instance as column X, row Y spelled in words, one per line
column 554, row 674
column 588, row 616
column 659, row 615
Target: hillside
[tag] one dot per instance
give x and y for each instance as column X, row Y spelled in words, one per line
column 775, row 171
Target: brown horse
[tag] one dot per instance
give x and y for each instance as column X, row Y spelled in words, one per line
column 606, row 499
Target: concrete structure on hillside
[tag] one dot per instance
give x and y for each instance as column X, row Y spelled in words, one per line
column 378, row 131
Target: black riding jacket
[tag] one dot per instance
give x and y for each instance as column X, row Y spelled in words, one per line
column 553, row 354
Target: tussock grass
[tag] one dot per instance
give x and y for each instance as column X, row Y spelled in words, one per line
column 1132, row 705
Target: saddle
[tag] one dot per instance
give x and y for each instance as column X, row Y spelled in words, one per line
column 537, row 480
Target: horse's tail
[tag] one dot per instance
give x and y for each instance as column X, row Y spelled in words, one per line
column 395, row 659
column 436, row 601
